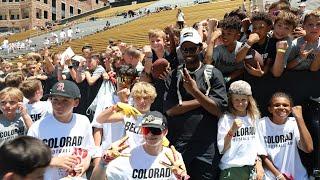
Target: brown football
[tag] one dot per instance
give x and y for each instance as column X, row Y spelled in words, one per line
column 252, row 57
column 159, row 67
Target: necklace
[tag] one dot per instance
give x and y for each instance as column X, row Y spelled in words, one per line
column 192, row 72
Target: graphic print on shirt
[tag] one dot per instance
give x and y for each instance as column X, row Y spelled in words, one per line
column 151, row 173
column 11, row 132
column 244, row 134
column 35, row 117
column 280, row 140
column 132, row 127
column 63, row 144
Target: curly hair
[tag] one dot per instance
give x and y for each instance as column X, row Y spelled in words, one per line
column 262, row 16
column 232, row 22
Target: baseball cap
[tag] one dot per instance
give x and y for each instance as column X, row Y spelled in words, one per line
column 240, row 87
column 65, row 88
column 191, row 35
column 302, row 5
column 154, row 119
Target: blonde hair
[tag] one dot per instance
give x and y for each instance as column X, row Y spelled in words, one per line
column 34, row 57
column 12, row 92
column 252, row 108
column 29, row 87
column 143, row 89
column 156, row 33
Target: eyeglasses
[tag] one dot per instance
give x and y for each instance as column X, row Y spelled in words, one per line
column 190, row 50
column 154, row 131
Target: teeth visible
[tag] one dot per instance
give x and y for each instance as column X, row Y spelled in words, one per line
column 282, row 114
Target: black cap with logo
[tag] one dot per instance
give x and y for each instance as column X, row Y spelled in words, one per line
column 65, row 88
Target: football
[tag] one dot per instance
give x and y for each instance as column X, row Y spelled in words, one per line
column 159, row 67
column 252, row 57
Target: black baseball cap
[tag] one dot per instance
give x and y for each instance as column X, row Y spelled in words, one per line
column 154, row 119
column 65, row 88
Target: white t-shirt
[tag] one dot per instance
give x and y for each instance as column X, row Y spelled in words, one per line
column 111, row 131
column 181, row 17
column 39, row 110
column 140, row 165
column 62, row 35
column 69, row 33
column 62, row 138
column 244, row 146
column 132, row 127
column 5, row 43
column 281, row 145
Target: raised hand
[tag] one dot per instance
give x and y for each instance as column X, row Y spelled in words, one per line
column 127, row 109
column 282, row 45
column 189, row 84
column 212, row 24
column 237, row 123
column 304, row 53
column 253, row 38
column 176, row 165
column 115, row 150
column 297, row 112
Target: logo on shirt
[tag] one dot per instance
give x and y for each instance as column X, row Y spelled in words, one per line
column 279, row 140
column 35, row 117
column 131, row 127
column 244, row 134
column 151, row 173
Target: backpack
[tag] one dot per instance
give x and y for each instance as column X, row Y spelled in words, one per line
column 207, row 76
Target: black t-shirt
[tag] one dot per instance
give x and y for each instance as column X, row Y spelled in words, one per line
column 159, row 84
column 194, row 133
column 262, row 49
column 171, row 57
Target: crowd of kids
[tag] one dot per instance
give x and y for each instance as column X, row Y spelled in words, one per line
column 108, row 116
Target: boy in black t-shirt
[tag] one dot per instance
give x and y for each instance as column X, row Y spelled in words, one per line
column 278, row 46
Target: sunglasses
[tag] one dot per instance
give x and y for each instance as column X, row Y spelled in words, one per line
column 191, row 50
column 154, row 131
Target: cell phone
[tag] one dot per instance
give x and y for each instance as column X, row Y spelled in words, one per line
column 75, row 63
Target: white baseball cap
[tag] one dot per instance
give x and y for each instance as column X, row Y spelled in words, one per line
column 191, row 35
column 302, row 5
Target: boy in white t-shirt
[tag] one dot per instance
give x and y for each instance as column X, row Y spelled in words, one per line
column 147, row 161
column 281, row 137
column 32, row 90
column 69, row 135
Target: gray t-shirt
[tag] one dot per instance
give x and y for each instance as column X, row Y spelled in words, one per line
column 98, row 71
column 294, row 54
column 226, row 61
column 9, row 129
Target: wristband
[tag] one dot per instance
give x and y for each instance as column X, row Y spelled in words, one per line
column 230, row 134
column 247, row 45
column 279, row 177
column 281, row 50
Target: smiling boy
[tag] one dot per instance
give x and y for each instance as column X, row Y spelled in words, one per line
column 63, row 131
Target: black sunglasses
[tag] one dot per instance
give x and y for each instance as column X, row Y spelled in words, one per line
column 191, row 50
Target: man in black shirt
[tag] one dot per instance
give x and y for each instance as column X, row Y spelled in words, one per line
column 196, row 97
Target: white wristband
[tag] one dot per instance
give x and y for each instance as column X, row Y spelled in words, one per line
column 247, row 45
